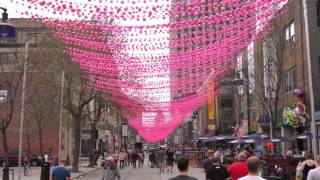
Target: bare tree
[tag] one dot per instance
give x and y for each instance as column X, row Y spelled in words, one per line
column 94, row 115
column 264, row 75
column 77, row 95
column 42, row 105
column 11, row 68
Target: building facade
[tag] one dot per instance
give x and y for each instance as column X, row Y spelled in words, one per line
column 281, row 66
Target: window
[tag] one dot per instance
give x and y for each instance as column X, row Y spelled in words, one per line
column 226, row 103
column 289, row 34
column 8, row 58
column 290, row 80
column 35, row 37
column 318, row 13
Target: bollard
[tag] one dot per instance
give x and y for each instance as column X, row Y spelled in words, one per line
column 45, row 171
column 5, row 173
column 12, row 174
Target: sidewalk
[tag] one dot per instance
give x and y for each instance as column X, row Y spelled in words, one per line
column 36, row 171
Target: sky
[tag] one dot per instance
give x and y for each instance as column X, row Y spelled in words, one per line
column 14, row 12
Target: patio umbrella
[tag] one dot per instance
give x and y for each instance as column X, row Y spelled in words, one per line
column 255, row 135
column 244, row 141
column 301, row 136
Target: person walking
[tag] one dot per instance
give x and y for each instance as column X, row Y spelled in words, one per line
column 304, row 167
column 122, row 157
column 134, row 157
column 217, row 171
column 152, row 158
column 314, row 174
column 161, row 157
column 253, row 169
column 110, row 170
column 116, row 158
column 183, row 167
column 238, row 169
column 170, row 159
column 61, row 173
column 140, row 159
column 207, row 164
column 26, row 164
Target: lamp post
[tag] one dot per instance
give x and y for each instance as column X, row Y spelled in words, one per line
column 61, row 116
column 4, row 14
column 25, row 66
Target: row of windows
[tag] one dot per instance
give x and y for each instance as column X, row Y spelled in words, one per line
column 8, row 58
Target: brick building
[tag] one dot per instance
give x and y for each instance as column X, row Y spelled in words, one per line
column 286, row 45
column 12, row 56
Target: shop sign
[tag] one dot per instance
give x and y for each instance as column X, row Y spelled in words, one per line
column 7, row 30
column 211, row 127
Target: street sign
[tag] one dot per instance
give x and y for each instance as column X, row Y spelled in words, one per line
column 7, row 30
column 3, row 96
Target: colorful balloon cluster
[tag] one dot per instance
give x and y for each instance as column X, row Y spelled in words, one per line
column 155, row 56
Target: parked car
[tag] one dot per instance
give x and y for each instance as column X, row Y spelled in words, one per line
column 13, row 156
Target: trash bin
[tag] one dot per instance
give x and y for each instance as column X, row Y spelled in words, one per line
column 45, row 171
column 6, row 174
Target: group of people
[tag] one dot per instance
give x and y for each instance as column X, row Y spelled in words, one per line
column 162, row 158
column 125, row 158
column 245, row 168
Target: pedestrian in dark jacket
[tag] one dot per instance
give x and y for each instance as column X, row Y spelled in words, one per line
column 207, row 164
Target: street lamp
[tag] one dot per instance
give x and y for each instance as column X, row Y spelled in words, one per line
column 23, row 103
column 4, row 14
column 7, row 30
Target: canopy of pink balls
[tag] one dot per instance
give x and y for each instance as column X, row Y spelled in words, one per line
column 157, row 91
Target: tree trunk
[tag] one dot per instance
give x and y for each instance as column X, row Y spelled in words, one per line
column 76, row 137
column 28, row 141
column 40, row 141
column 92, row 157
column 5, row 153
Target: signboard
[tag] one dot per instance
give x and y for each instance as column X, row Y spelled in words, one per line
column 124, row 130
column 3, row 96
column 211, row 102
column 317, row 116
column 7, row 30
column 211, row 127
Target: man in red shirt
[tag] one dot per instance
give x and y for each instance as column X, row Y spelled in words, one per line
column 238, row 169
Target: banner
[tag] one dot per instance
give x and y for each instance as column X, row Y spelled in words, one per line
column 124, row 131
column 211, row 101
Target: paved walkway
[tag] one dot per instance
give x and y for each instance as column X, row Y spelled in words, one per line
column 145, row 173
column 36, row 171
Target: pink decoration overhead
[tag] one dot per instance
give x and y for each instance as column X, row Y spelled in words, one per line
column 155, row 56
